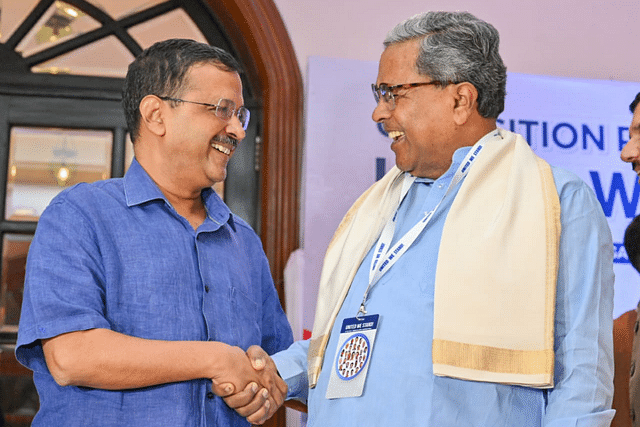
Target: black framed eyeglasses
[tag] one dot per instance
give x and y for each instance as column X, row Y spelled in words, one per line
column 388, row 93
column 224, row 109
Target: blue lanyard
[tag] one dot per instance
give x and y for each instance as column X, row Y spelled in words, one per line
column 385, row 256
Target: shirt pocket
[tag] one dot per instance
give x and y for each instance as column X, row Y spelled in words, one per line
column 245, row 318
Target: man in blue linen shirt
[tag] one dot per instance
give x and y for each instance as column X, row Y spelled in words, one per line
column 432, row 127
column 142, row 294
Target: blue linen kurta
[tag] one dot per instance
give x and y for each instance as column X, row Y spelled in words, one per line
column 115, row 254
column 401, row 389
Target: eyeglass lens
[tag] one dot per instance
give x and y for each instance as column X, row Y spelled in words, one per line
column 226, row 108
column 383, row 92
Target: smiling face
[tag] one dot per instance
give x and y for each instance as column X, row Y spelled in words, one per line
column 198, row 144
column 422, row 125
column 631, row 151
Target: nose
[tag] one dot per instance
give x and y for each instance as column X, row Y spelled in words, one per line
column 234, row 128
column 631, row 151
column 381, row 112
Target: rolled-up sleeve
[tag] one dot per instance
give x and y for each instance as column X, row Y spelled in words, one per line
column 64, row 287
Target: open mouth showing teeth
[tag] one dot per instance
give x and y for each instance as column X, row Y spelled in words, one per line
column 221, row 148
column 395, row 134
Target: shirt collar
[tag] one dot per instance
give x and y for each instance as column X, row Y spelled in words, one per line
column 140, row 188
column 217, row 210
column 457, row 157
column 461, row 152
column 427, row 181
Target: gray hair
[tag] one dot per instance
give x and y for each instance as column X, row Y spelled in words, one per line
column 457, row 47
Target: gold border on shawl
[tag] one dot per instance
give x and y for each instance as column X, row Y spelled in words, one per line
column 492, row 359
column 334, row 281
column 315, row 357
column 554, row 229
column 489, row 359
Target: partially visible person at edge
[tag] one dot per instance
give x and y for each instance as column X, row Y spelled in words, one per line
column 491, row 271
column 631, row 154
column 143, row 293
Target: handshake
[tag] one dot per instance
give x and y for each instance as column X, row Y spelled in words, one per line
column 249, row 383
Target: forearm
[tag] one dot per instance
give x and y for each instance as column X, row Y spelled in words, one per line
column 101, row 358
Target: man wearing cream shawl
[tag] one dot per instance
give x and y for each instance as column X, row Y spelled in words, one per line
column 499, row 313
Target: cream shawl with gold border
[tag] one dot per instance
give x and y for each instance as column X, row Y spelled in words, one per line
column 496, row 272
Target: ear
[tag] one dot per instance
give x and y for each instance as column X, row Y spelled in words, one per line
column 151, row 112
column 466, row 102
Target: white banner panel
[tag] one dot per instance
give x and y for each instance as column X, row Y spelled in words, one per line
column 582, row 125
column 579, row 125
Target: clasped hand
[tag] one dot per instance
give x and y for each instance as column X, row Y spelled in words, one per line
column 264, row 391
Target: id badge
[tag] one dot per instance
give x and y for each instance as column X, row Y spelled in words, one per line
column 353, row 356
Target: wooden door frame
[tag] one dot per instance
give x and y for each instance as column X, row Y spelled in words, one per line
column 264, row 48
column 259, row 36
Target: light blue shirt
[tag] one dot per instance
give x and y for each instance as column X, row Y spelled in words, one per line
column 115, row 254
column 401, row 389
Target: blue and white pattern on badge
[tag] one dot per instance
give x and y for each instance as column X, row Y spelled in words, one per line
column 351, row 363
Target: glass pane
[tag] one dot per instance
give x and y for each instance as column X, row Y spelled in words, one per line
column 12, row 15
column 43, row 161
column 120, row 9
column 105, row 58
column 175, row 24
column 14, row 259
column 60, row 22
